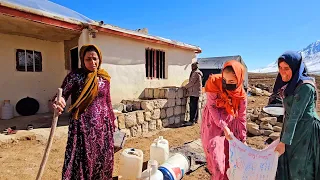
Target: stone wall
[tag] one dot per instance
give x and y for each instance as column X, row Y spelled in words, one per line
column 160, row 108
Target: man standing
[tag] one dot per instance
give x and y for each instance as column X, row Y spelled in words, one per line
column 194, row 88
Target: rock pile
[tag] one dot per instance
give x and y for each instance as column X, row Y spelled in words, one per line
column 262, row 124
column 161, row 107
column 259, row 90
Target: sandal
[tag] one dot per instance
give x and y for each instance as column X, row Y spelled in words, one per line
column 30, row 127
column 10, row 130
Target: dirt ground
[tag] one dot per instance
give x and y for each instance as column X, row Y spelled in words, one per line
column 21, row 160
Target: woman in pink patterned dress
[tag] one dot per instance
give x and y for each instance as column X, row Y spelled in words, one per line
column 89, row 153
column 224, row 113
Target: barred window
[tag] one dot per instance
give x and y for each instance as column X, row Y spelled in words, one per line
column 28, row 60
column 155, row 63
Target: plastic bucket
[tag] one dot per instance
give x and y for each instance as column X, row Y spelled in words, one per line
column 175, row 167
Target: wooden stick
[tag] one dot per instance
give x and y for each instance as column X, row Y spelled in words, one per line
column 49, row 144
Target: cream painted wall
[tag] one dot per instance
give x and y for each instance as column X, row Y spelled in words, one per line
column 43, row 85
column 124, row 59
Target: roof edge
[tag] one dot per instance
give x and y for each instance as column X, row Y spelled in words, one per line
column 145, row 39
column 38, row 12
column 71, row 24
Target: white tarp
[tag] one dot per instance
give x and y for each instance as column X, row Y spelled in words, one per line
column 50, row 8
column 250, row 164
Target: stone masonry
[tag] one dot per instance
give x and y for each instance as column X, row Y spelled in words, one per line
column 160, row 108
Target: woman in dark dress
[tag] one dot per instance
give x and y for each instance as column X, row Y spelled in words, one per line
column 89, row 152
column 299, row 145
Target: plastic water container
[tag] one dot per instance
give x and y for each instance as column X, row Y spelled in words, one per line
column 7, row 110
column 131, row 161
column 175, row 167
column 159, row 150
column 152, row 172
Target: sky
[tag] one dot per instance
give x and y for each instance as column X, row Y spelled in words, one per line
column 258, row 30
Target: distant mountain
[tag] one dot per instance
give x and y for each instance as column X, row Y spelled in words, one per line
column 311, row 58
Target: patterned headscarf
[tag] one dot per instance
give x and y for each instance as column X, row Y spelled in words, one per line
column 90, row 90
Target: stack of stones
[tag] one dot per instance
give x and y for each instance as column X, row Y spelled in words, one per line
column 160, row 108
column 202, row 103
column 262, row 124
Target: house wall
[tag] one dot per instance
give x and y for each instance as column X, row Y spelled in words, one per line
column 124, row 59
column 43, row 85
column 68, row 45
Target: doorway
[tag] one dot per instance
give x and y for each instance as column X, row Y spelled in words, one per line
column 74, row 58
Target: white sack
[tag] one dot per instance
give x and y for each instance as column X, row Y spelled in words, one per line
column 250, row 164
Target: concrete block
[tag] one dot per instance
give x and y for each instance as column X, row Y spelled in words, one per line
column 177, row 110
column 130, row 119
column 148, row 93
column 184, row 92
column 162, row 94
column 156, row 93
column 165, row 123
column 171, row 120
column 182, row 118
column 171, row 102
column 178, row 102
column 136, row 105
column 179, row 93
column 183, row 101
column 170, row 93
column 163, row 113
column 169, row 112
column 128, row 102
column 183, row 109
column 177, row 120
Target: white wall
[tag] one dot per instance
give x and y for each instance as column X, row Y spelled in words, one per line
column 43, row 85
column 124, row 59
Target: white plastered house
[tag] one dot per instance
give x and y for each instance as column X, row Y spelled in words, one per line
column 39, row 43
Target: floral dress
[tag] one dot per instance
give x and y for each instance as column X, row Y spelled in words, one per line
column 89, row 152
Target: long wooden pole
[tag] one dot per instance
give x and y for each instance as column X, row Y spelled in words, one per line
column 49, row 144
